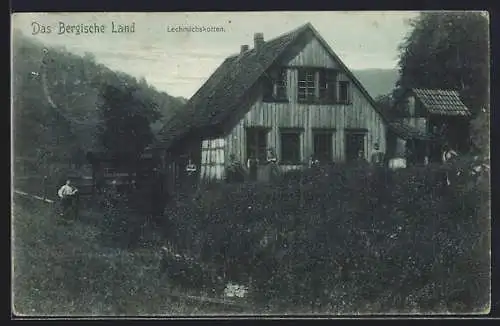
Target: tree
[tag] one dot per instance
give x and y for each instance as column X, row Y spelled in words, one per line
column 449, row 51
column 126, row 121
column 55, row 95
column 386, row 105
column 480, row 135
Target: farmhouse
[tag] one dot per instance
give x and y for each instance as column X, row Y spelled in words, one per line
column 291, row 96
column 433, row 117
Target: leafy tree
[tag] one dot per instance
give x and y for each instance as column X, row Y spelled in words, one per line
column 126, row 120
column 386, row 105
column 55, row 96
column 449, row 51
column 480, row 135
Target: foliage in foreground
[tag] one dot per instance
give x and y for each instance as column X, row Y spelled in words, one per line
column 345, row 240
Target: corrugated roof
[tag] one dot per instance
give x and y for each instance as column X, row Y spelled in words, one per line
column 442, row 102
column 406, row 131
column 220, row 95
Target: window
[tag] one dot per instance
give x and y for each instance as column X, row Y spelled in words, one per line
column 344, row 94
column 307, row 85
column 323, row 145
column 275, row 83
column 290, row 146
column 257, row 143
column 327, row 85
column 281, row 85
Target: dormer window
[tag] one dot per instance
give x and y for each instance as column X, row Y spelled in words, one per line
column 275, row 85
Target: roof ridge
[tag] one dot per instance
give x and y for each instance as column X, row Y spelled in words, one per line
column 296, row 30
column 436, row 89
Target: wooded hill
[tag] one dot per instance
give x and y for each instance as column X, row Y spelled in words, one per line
column 69, row 126
column 378, row 82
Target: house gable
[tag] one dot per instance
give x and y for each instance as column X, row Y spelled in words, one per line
column 314, row 54
column 229, row 93
column 334, row 118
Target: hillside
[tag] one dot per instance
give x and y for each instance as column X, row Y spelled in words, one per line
column 69, row 126
column 377, row 81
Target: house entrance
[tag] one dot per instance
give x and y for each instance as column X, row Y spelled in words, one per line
column 256, row 147
column 354, row 144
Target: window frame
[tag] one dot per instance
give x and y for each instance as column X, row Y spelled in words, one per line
column 347, row 100
column 284, row 159
column 259, row 134
column 275, row 85
column 323, row 132
column 325, row 89
column 327, row 85
column 305, row 84
column 359, row 133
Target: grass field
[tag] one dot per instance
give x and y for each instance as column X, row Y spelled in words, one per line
column 64, row 270
column 391, row 259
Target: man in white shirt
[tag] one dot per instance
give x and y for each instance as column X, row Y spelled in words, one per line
column 66, row 193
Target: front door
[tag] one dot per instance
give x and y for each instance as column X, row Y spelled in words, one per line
column 354, row 145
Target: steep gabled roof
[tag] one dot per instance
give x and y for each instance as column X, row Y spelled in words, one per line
column 220, row 95
column 442, row 102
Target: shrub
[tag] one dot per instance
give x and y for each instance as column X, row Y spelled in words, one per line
column 350, row 235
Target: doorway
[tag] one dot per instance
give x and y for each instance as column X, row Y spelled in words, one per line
column 256, row 149
column 354, row 143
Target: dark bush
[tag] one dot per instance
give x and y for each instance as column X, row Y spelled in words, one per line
column 348, row 235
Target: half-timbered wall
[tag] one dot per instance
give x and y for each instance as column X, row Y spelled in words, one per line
column 212, row 159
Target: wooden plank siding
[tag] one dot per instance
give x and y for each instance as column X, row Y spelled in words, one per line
column 313, row 55
column 358, row 114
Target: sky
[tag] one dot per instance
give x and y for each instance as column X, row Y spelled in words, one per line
column 179, row 62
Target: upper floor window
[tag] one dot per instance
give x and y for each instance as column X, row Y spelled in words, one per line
column 307, row 85
column 328, row 85
column 344, row 92
column 317, row 85
column 275, row 84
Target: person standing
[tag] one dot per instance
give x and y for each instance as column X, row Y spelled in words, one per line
column 252, row 166
column 447, row 158
column 377, row 158
column 235, row 170
column 66, row 193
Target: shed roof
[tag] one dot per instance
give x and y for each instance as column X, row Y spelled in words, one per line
column 442, row 102
column 219, row 97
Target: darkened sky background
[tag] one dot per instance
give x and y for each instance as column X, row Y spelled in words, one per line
column 179, row 62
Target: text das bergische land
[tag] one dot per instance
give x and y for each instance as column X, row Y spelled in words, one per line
column 82, row 29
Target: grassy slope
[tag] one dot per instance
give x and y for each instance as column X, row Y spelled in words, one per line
column 65, row 270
